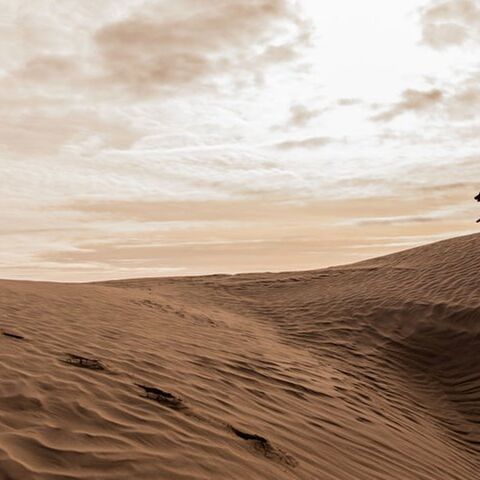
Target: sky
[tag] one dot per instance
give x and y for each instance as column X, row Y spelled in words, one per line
column 221, row 136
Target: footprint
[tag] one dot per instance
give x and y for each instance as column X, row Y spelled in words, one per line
column 162, row 397
column 13, row 335
column 262, row 445
column 84, row 362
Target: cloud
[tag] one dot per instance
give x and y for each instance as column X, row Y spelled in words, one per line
column 412, row 101
column 164, row 47
column 300, row 115
column 451, row 23
column 398, row 220
column 348, row 102
column 460, row 101
column 312, row 142
column 42, row 132
column 199, row 42
column 46, row 68
column 464, row 104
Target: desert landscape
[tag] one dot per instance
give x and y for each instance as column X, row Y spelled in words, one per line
column 238, row 240
column 358, row 372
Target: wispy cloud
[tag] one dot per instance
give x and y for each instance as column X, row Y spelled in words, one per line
column 348, row 102
column 43, row 132
column 164, row 48
column 301, row 115
column 411, row 101
column 157, row 48
column 451, row 23
column 457, row 102
column 307, row 143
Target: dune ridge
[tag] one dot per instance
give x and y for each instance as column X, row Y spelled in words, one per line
column 365, row 371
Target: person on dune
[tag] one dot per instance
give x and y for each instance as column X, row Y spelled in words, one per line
column 477, row 198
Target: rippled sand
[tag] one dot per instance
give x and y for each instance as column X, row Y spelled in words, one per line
column 367, row 371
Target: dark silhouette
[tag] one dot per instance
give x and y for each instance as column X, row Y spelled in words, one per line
column 477, row 198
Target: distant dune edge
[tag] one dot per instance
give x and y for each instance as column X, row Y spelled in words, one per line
column 369, row 371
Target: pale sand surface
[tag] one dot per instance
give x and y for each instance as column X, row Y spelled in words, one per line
column 361, row 372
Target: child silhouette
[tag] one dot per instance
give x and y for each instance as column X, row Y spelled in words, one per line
column 477, row 198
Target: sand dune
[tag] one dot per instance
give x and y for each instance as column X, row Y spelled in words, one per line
column 367, row 371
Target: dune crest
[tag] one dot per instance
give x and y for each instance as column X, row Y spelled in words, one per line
column 359, row 372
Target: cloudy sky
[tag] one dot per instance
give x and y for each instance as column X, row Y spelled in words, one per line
column 204, row 136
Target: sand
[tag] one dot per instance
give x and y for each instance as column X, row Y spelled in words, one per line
column 367, row 371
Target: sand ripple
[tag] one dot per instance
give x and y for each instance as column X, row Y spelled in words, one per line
column 367, row 371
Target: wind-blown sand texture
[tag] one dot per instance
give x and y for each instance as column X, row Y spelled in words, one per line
column 367, row 371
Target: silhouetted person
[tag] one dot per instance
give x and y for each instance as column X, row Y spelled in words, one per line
column 477, row 198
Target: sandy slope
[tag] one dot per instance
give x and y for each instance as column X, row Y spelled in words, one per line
column 370, row 371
